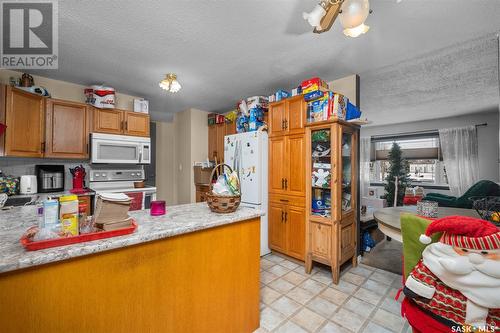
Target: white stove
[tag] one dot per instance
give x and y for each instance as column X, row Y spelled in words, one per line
column 122, row 180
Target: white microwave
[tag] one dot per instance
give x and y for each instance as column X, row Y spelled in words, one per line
column 120, row 149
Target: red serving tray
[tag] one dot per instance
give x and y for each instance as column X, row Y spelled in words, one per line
column 45, row 244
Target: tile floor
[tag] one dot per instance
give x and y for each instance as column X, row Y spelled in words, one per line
column 295, row 302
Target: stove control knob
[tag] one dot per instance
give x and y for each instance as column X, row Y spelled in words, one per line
column 97, row 175
column 103, row 175
column 132, row 174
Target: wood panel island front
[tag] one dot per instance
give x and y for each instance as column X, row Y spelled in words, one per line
column 188, row 271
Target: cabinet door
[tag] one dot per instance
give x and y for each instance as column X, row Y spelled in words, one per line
column 321, row 242
column 221, row 132
column 136, row 124
column 295, row 160
column 67, row 129
column 277, row 164
column 231, row 128
column 347, row 238
column 108, row 121
column 295, row 220
column 296, row 115
column 277, row 228
column 212, row 142
column 277, row 118
column 25, row 124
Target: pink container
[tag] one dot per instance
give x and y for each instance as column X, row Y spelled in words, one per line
column 158, row 208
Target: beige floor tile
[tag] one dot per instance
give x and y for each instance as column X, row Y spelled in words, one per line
column 281, row 285
column 323, row 277
column 376, row 287
column 261, row 330
column 322, row 307
column 374, row 328
column 308, row 319
column 270, row 319
column 268, row 295
column 366, row 267
column 393, row 292
column 383, row 278
column 391, row 305
column 290, row 327
column 353, row 278
column 332, row 327
column 360, row 270
column 313, row 286
column 368, row 296
column 358, row 306
column 334, row 295
column 300, row 295
column 388, row 320
column 266, row 277
column 278, row 270
column 286, row 306
column 301, row 271
column 274, row 258
column 348, row 319
column 345, row 286
column 294, row 277
column 265, row 264
column 289, row 264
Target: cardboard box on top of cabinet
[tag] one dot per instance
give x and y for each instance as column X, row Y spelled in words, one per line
column 314, row 84
column 330, row 106
column 141, row 105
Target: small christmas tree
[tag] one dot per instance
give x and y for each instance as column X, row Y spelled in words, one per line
column 399, row 168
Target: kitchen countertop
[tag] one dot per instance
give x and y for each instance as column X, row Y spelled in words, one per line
column 179, row 220
column 51, row 194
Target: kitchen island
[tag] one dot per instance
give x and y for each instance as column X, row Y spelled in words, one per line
column 188, row 271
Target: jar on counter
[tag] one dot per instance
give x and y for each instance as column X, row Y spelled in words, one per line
column 84, row 222
column 68, row 214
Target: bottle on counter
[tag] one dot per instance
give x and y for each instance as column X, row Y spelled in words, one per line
column 68, row 214
column 50, row 212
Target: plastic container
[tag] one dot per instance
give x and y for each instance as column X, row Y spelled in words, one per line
column 352, row 112
column 158, row 208
column 68, row 214
column 50, row 212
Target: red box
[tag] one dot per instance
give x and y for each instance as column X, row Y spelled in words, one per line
column 313, row 84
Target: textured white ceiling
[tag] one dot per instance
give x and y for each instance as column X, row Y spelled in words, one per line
column 225, row 50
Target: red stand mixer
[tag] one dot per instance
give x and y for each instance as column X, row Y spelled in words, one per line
column 79, row 174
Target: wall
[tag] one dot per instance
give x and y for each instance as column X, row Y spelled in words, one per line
column 487, row 136
column 183, row 155
column 66, row 90
column 199, row 143
column 166, row 180
column 347, row 86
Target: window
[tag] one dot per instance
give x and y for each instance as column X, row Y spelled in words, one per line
column 422, row 153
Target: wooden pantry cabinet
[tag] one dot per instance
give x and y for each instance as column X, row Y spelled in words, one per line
column 115, row 121
column 216, row 135
column 287, row 177
column 67, row 129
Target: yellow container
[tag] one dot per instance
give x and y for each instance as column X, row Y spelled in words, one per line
column 68, row 214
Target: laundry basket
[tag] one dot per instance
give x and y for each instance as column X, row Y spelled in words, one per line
column 222, row 203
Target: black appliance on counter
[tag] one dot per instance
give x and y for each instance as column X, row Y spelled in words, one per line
column 50, row 178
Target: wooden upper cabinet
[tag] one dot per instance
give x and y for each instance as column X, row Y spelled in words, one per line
column 108, row 121
column 277, row 118
column 287, row 116
column 115, row 121
column 136, row 124
column 24, row 117
column 212, row 142
column 296, row 115
column 67, row 129
column 216, row 135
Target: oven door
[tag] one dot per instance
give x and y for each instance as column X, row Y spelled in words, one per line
column 116, row 151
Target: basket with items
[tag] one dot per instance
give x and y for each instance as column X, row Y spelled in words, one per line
column 64, row 221
column 225, row 194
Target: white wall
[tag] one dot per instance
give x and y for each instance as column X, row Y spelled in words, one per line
column 488, row 137
column 166, row 180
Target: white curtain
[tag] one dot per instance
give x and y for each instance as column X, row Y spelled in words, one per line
column 364, row 166
column 460, row 155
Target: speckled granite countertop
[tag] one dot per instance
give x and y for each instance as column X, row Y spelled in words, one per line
column 179, row 220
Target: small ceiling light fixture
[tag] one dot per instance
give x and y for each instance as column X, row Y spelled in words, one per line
column 353, row 16
column 170, row 83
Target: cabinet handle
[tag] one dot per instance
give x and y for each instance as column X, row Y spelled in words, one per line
column 126, row 125
column 282, row 215
column 87, row 148
column 282, row 124
column 286, row 124
column 286, row 216
column 286, row 184
column 284, row 200
column 121, row 125
column 282, row 183
column 42, row 147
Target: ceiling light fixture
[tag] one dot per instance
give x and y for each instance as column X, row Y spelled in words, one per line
column 353, row 16
column 170, row 83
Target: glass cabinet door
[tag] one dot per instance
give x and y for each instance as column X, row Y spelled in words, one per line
column 346, row 153
column 321, row 172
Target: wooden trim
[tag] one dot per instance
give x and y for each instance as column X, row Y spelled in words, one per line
column 205, row 281
column 3, row 106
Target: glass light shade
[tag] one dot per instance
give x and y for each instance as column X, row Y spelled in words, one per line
column 314, row 17
column 175, row 86
column 356, row 31
column 170, row 83
column 354, row 13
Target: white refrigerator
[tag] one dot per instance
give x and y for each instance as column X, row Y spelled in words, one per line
column 247, row 153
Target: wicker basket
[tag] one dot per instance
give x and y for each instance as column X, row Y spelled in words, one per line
column 222, row 203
